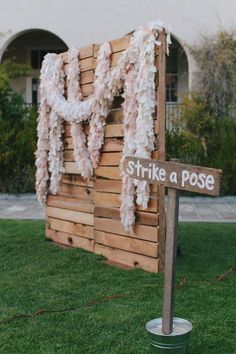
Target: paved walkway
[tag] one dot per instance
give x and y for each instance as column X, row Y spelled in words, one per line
column 222, row 209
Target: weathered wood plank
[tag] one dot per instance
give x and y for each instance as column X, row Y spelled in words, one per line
column 120, row 44
column 130, row 259
column 112, row 145
column 113, row 200
column 106, row 185
column 86, row 51
column 161, row 113
column 108, row 172
column 87, row 89
column 115, row 116
column 71, row 167
column 141, row 217
column 71, row 227
column 110, row 131
column 68, row 155
column 113, row 131
column 77, row 181
column 117, row 45
column 77, row 191
column 68, row 144
column 142, row 232
column 86, row 77
column 110, row 159
column 126, row 243
column 70, row 215
column 107, row 199
column 85, row 65
column 77, row 204
column 66, row 131
column 70, row 240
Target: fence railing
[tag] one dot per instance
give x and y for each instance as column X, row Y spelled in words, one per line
column 173, row 114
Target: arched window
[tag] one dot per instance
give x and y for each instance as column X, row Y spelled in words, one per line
column 177, row 73
column 29, row 48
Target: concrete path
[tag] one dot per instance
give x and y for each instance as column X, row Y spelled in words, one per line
column 198, row 209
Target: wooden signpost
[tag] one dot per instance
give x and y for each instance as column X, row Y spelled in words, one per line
column 175, row 176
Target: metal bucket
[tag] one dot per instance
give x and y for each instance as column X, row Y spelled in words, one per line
column 174, row 343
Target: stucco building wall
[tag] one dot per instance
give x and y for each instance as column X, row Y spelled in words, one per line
column 80, row 22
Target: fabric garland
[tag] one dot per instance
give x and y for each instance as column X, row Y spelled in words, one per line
column 135, row 72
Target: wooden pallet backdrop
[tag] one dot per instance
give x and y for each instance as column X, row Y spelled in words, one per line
column 86, row 214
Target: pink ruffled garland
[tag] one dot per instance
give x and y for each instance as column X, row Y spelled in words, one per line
column 55, row 156
column 80, row 151
column 136, row 72
column 101, row 105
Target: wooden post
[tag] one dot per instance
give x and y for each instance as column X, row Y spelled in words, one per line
column 161, row 112
column 170, row 257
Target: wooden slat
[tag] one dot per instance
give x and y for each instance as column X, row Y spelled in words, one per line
column 120, row 44
column 77, row 192
column 108, row 172
column 70, row 215
column 77, row 181
column 110, row 131
column 141, row 217
column 66, row 130
column 115, row 58
column 71, row 203
column 111, row 145
column 117, row 45
column 68, row 143
column 115, row 116
column 86, row 51
column 130, row 259
column 70, row 240
column 68, row 155
column 106, row 185
column 126, row 243
column 106, row 159
column 107, row 199
column 71, row 227
column 142, row 232
column 87, row 89
column 87, row 64
column 161, row 104
column 113, row 200
column 70, row 167
column 110, row 159
column 86, row 77
column 116, row 130
column 113, row 130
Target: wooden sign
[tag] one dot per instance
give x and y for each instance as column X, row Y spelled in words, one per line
column 175, row 175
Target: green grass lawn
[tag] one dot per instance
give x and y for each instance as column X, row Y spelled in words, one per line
column 36, row 274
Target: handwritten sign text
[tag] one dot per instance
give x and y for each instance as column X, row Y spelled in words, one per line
column 175, row 175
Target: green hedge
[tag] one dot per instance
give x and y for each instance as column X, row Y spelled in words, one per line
column 17, row 137
column 201, row 138
column 17, row 146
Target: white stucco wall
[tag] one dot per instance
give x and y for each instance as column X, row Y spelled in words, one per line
column 80, row 22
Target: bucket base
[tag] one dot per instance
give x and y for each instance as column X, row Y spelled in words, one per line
column 174, row 343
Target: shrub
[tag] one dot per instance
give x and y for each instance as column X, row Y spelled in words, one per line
column 216, row 75
column 206, row 133
column 202, row 139
column 17, row 136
